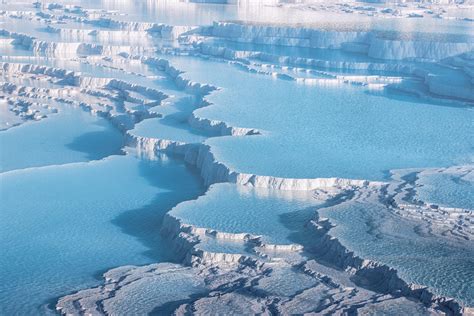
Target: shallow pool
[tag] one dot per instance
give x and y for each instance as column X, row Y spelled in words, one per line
column 64, row 225
column 231, row 208
column 330, row 131
column 372, row 232
column 72, row 135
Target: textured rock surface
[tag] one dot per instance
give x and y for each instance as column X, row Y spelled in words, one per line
column 217, row 272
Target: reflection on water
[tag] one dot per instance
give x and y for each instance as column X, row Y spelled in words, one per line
column 176, row 12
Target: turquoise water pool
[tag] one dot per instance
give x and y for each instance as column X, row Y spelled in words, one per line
column 342, row 131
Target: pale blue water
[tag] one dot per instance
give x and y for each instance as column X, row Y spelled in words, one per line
column 447, row 190
column 66, row 219
column 368, row 230
column 171, row 128
column 72, row 135
column 340, row 131
column 173, row 121
column 372, row 232
column 238, row 209
column 63, row 226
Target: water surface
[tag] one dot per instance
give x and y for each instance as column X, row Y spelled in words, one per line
column 72, row 135
column 329, row 131
column 65, row 225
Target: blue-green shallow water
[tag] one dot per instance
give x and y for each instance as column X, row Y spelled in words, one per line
column 238, row 209
column 72, row 135
column 68, row 214
column 327, row 131
column 62, row 225
column 447, row 190
column 112, row 192
column 372, row 232
column 342, row 131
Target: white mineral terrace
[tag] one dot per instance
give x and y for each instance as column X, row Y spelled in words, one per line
column 237, row 157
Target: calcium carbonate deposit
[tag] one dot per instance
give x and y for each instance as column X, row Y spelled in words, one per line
column 236, row 157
